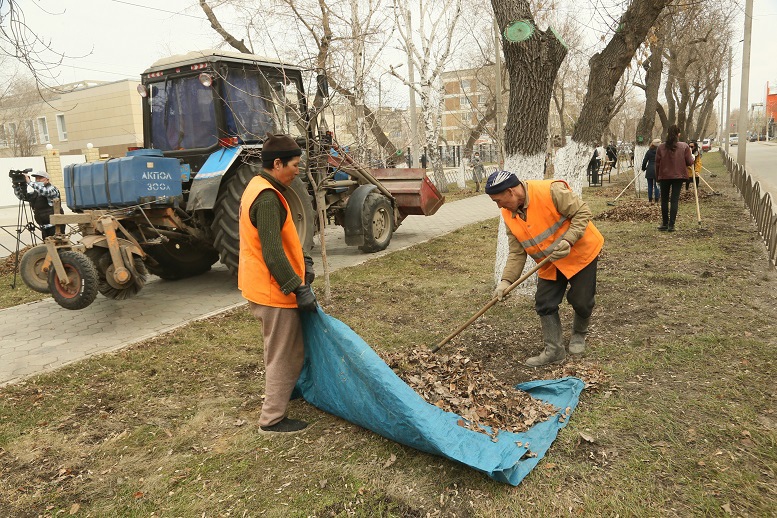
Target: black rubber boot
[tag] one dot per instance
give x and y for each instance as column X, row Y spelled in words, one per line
column 579, row 330
column 551, row 334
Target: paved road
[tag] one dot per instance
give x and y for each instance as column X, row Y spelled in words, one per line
column 42, row 336
column 761, row 163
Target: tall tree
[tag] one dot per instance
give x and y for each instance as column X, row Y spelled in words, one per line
column 433, row 25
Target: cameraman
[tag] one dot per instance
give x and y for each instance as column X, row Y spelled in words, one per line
column 41, row 199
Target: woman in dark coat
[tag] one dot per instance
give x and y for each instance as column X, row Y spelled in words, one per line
column 672, row 160
column 649, row 166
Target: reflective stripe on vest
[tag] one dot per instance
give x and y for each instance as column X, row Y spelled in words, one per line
column 544, row 229
column 253, row 277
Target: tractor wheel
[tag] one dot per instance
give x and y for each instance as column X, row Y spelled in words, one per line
column 180, row 259
column 101, row 257
column 81, row 289
column 31, row 269
column 377, row 222
column 226, row 227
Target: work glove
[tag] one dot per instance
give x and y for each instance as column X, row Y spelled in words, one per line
column 499, row 292
column 306, row 299
column 310, row 274
column 561, row 250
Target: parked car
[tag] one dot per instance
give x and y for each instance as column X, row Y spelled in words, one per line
column 706, row 144
column 733, row 139
column 752, row 138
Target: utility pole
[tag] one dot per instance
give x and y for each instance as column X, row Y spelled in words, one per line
column 721, row 122
column 745, row 85
column 728, row 97
column 498, row 94
column 411, row 78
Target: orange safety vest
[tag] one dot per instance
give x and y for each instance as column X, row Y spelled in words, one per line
column 545, row 227
column 253, row 276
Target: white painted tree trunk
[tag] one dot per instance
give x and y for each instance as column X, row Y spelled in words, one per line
column 639, row 155
column 526, row 168
column 461, row 176
column 571, row 165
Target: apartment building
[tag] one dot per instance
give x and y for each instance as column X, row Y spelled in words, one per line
column 106, row 114
column 468, row 95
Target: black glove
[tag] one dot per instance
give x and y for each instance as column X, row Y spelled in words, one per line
column 306, row 299
column 310, row 274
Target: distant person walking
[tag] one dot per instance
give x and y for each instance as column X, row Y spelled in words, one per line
column 649, row 166
column 695, row 169
column 672, row 159
column 477, row 170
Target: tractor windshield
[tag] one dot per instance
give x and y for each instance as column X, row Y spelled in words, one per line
column 182, row 114
column 258, row 102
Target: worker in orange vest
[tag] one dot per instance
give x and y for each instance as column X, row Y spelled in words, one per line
column 274, row 275
column 544, row 218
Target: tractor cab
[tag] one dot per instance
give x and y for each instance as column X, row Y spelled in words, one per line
column 199, row 102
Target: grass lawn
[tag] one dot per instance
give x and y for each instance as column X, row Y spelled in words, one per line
column 686, row 426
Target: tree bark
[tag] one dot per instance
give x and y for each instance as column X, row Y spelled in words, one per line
column 607, row 68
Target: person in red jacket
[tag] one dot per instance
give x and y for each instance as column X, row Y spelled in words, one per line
column 672, row 160
column 274, row 275
column 544, row 218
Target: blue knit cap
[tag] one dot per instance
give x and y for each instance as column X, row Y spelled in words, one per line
column 499, row 181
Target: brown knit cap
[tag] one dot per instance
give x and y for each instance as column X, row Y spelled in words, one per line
column 279, row 146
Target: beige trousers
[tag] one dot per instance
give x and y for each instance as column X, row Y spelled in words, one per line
column 283, row 356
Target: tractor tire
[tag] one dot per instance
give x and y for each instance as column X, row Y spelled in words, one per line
column 101, row 257
column 81, row 289
column 377, row 223
column 226, row 227
column 30, row 268
column 177, row 260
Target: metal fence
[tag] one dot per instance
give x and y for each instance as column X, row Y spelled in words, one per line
column 761, row 205
column 452, row 175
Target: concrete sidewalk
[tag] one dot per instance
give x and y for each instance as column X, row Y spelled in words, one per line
column 42, row 336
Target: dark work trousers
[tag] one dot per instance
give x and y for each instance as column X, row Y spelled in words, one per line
column 581, row 295
column 669, row 211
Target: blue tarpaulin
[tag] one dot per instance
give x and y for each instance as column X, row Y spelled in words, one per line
column 342, row 375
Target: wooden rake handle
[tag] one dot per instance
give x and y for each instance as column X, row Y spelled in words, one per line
column 488, row 305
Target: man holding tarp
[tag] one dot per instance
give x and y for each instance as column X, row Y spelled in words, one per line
column 274, row 275
column 545, row 218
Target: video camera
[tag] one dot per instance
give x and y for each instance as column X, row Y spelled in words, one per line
column 19, row 177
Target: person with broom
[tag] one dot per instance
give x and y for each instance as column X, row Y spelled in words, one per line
column 544, row 218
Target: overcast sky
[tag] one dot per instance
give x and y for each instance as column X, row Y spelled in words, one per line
column 117, row 39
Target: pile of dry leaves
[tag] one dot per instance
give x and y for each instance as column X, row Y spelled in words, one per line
column 459, row 385
column 7, row 264
column 592, row 375
column 631, row 210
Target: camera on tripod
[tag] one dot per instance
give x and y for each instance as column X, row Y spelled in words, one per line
column 19, row 177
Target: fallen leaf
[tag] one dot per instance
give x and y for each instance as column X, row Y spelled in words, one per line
column 391, row 460
column 726, row 508
column 74, row 508
column 138, row 494
column 586, row 437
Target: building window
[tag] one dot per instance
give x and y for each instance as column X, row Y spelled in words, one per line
column 465, row 102
column 29, row 128
column 61, row 128
column 43, row 130
column 3, row 139
column 465, row 84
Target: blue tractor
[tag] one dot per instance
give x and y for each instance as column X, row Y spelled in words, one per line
column 171, row 208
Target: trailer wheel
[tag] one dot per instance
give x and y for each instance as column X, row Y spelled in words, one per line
column 180, row 259
column 377, row 222
column 81, row 289
column 226, row 227
column 31, row 269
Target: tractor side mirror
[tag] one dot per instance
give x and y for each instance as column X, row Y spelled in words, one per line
column 322, row 86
